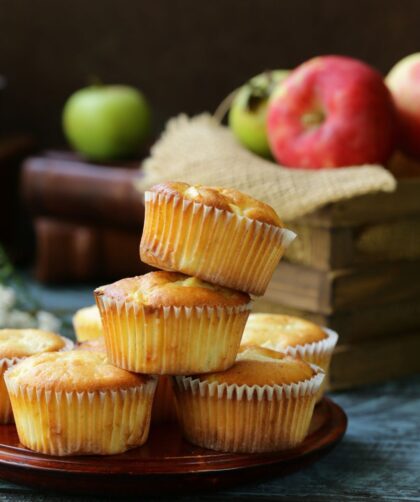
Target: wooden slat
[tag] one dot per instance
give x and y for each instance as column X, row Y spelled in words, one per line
column 326, row 292
column 360, row 324
column 300, row 287
column 378, row 207
column 372, row 362
column 333, row 248
column 322, row 248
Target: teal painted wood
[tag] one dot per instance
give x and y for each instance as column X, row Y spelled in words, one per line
column 378, row 459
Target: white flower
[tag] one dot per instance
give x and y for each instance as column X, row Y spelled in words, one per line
column 48, row 321
column 19, row 319
column 3, row 318
column 7, row 298
column 14, row 318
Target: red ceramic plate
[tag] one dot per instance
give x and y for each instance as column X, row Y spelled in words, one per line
column 166, row 463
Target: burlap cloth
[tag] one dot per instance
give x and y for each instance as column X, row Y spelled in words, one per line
column 200, row 150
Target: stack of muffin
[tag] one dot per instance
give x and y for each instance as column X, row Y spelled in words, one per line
column 182, row 327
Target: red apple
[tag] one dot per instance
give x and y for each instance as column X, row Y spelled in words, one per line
column 404, row 83
column 331, row 111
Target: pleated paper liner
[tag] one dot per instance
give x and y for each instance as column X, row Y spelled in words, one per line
column 6, row 415
column 81, row 423
column 318, row 353
column 218, row 246
column 246, row 419
column 166, row 463
column 171, row 340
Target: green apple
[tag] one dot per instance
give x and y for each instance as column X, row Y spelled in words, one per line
column 247, row 115
column 106, row 122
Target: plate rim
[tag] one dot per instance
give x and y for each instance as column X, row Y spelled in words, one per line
column 74, row 465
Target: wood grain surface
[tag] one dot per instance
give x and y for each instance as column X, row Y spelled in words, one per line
column 342, row 290
column 359, row 324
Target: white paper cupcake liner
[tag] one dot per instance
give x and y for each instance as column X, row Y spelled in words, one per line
column 81, row 423
column 242, row 418
column 6, row 414
column 234, row 391
column 215, row 245
column 68, row 344
column 319, row 353
column 171, row 340
column 315, row 352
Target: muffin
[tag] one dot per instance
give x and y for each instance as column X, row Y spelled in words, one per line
column 168, row 323
column 87, row 323
column 164, row 406
column 217, row 234
column 292, row 335
column 76, row 403
column 96, row 345
column 263, row 403
column 15, row 345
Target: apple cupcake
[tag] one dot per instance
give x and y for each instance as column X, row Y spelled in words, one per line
column 294, row 336
column 217, row 234
column 87, row 323
column 76, row 403
column 169, row 323
column 263, row 403
column 16, row 345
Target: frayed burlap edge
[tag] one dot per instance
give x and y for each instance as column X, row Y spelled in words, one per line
column 200, row 150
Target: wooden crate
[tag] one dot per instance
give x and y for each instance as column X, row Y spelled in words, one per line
column 355, row 267
column 358, row 325
column 374, row 228
column 375, row 361
column 343, row 290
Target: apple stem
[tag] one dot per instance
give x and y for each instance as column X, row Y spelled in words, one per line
column 224, row 106
column 313, row 118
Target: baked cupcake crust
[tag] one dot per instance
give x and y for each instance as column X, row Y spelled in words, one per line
column 227, row 199
column 87, row 323
column 19, row 343
column 160, row 289
column 281, row 331
column 76, row 370
column 258, row 366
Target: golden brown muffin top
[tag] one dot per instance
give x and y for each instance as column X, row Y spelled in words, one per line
column 76, row 370
column 157, row 289
column 227, row 199
column 259, row 366
column 28, row 342
column 87, row 316
column 96, row 345
column 280, row 331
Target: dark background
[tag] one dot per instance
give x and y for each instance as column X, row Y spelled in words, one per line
column 185, row 55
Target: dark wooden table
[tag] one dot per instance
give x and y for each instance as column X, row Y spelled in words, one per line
column 378, row 459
